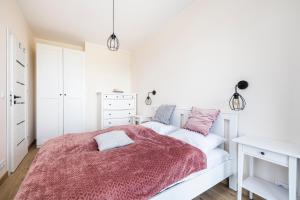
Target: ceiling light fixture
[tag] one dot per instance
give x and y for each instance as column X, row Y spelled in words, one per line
column 113, row 43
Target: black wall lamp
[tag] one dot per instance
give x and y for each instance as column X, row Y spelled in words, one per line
column 148, row 100
column 237, row 101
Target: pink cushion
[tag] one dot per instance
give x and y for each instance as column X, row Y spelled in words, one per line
column 201, row 120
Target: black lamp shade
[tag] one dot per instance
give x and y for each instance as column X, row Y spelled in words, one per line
column 148, row 100
column 113, row 43
column 237, row 101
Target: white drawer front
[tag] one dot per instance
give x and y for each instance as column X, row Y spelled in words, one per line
column 118, row 96
column 267, row 155
column 127, row 97
column 112, row 96
column 108, row 114
column 116, row 122
column 118, row 104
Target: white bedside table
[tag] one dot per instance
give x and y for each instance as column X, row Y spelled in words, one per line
column 138, row 119
column 281, row 153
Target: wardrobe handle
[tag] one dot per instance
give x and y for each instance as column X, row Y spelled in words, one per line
column 262, row 153
column 65, row 94
column 60, row 94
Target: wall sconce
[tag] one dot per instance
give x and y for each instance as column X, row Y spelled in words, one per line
column 237, row 101
column 148, row 100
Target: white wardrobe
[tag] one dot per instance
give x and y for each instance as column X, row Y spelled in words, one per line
column 59, row 92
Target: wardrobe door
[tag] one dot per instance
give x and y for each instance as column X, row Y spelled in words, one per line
column 49, row 92
column 74, row 112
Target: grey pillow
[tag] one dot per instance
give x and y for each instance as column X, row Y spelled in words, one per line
column 163, row 114
column 112, row 140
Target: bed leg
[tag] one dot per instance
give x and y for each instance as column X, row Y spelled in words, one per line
column 233, row 182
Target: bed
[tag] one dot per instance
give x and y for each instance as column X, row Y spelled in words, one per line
column 70, row 167
column 226, row 125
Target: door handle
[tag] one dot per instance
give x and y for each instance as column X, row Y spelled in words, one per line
column 17, row 97
column 15, row 102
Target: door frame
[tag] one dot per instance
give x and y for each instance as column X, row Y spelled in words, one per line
column 9, row 99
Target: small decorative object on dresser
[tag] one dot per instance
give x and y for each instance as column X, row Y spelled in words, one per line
column 280, row 153
column 115, row 109
column 139, row 119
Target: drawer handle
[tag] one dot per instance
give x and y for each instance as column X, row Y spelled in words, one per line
column 128, row 121
column 109, row 114
column 129, row 104
column 109, row 104
column 262, row 153
column 129, row 113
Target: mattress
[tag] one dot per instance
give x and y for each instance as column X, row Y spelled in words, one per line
column 214, row 158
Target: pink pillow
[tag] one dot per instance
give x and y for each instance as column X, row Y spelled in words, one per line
column 201, row 120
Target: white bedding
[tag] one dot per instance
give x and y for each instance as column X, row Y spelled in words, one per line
column 216, row 157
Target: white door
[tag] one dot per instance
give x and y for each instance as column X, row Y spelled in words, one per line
column 73, row 64
column 17, row 135
column 49, row 85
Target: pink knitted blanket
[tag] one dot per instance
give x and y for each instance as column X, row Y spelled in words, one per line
column 71, row 167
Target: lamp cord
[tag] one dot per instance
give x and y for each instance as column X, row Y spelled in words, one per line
column 113, row 16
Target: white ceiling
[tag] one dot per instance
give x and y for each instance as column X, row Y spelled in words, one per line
column 76, row 21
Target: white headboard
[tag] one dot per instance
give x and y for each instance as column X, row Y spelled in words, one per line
column 226, row 126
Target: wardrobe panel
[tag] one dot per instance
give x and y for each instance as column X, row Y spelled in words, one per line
column 74, row 106
column 49, row 92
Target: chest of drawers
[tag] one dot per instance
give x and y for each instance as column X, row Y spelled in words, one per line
column 115, row 109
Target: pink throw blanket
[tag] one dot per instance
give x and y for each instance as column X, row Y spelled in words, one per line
column 71, row 167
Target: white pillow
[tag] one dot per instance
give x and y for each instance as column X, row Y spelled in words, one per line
column 204, row 143
column 112, row 139
column 160, row 128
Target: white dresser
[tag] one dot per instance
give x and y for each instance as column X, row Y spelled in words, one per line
column 115, row 109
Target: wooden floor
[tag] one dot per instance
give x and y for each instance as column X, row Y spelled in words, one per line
column 10, row 186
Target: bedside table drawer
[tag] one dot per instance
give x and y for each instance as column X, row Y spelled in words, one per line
column 267, row 155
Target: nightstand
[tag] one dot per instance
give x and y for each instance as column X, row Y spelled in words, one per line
column 138, row 119
column 278, row 152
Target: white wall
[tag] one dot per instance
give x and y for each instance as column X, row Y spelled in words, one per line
column 12, row 18
column 199, row 57
column 105, row 70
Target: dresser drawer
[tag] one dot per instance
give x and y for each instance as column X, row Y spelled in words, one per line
column 112, row 96
column 267, row 155
column 119, row 104
column 108, row 114
column 118, row 96
column 127, row 97
column 116, row 122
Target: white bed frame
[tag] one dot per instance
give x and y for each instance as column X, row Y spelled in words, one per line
column 227, row 126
